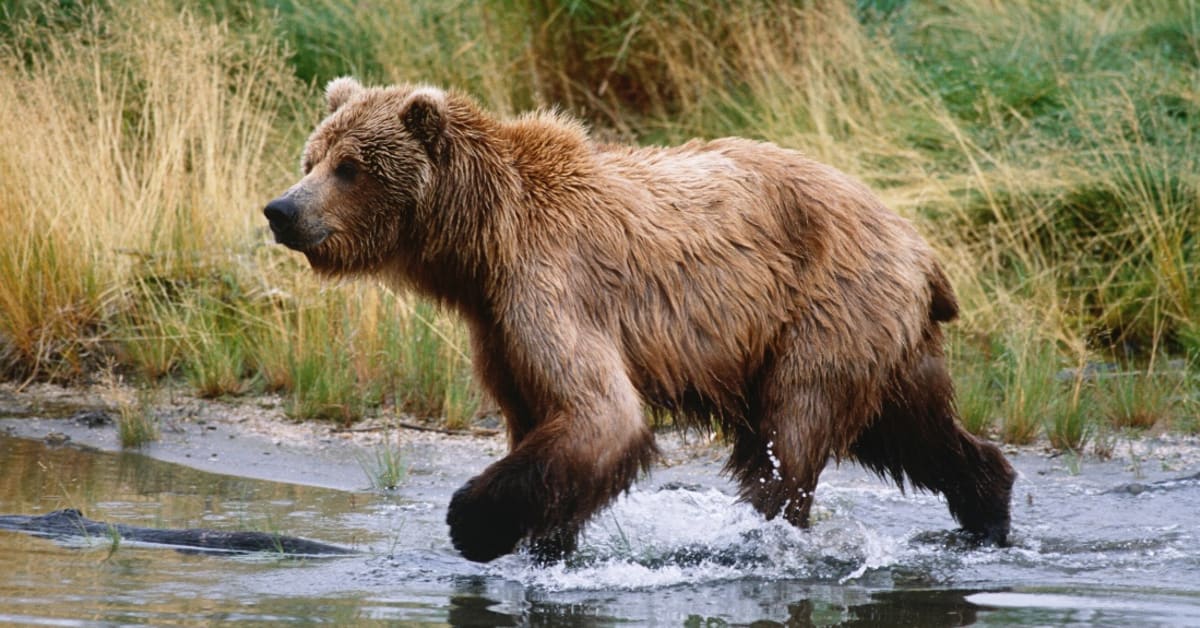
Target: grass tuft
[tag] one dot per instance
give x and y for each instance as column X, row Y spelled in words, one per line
column 136, row 423
column 977, row 388
column 385, row 466
column 1141, row 400
column 436, row 377
column 1029, row 389
column 1071, row 423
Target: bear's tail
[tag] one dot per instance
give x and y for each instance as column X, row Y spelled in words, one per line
column 943, row 305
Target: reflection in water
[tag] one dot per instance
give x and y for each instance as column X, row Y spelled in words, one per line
column 35, row 478
column 690, row 556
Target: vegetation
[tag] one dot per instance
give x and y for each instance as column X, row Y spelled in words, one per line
column 114, row 542
column 385, row 466
column 1047, row 147
column 136, row 423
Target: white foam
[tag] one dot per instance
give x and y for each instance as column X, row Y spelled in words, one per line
column 653, row 539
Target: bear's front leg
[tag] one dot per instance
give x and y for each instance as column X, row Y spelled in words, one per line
column 545, row 490
column 589, row 448
column 485, row 526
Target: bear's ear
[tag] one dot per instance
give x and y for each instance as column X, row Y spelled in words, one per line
column 339, row 91
column 424, row 115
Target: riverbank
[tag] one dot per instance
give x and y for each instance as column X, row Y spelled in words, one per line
column 251, row 436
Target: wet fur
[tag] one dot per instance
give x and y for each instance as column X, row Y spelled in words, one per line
column 729, row 280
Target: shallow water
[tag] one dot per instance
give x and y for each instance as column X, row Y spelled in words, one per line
column 1100, row 544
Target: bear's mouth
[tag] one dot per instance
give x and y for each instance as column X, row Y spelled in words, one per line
column 296, row 239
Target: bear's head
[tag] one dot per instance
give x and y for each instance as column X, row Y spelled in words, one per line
column 369, row 169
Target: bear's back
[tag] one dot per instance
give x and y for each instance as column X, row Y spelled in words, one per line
column 707, row 252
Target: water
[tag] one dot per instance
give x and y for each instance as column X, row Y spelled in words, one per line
column 1093, row 544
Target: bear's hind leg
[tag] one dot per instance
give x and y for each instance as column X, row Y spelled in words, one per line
column 773, row 479
column 917, row 435
column 779, row 453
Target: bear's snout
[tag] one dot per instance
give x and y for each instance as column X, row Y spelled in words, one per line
column 282, row 213
column 285, row 215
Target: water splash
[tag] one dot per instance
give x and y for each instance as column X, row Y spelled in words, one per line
column 662, row 538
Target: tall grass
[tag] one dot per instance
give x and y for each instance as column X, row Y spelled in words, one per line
column 1047, row 148
column 131, row 136
column 149, row 136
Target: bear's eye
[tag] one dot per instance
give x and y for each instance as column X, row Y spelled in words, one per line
column 346, row 170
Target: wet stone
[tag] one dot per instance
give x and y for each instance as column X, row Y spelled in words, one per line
column 92, row 418
column 56, row 438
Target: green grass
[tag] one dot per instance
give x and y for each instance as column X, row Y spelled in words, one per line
column 1029, row 391
column 1071, row 426
column 114, row 542
column 385, row 465
column 976, row 385
column 436, row 379
column 323, row 380
column 1046, row 147
column 136, row 423
column 1141, row 400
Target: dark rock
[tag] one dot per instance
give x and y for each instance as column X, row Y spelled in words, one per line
column 92, row 418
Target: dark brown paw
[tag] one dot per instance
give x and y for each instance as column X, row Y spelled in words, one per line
column 993, row 535
column 483, row 527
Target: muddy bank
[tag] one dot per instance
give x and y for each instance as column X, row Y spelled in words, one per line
column 249, row 437
column 252, row 437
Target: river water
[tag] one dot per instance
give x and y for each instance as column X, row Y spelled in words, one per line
column 1094, row 543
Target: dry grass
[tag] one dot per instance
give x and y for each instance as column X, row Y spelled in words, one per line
column 1046, row 148
column 151, row 136
column 139, row 135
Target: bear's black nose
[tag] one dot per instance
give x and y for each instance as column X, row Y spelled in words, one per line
column 281, row 212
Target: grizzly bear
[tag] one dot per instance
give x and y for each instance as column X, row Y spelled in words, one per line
column 727, row 282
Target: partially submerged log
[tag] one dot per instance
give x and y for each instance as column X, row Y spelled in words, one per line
column 71, row 523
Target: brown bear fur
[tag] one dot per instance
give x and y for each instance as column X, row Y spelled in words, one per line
column 728, row 280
